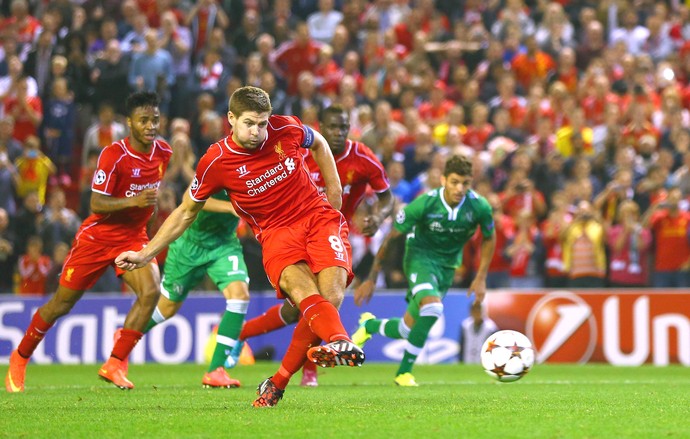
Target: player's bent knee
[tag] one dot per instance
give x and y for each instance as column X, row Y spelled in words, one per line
column 434, row 309
column 290, row 314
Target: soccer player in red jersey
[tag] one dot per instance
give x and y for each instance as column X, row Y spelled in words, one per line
column 306, row 254
column 358, row 168
column 124, row 191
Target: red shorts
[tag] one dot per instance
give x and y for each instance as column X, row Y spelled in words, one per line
column 319, row 239
column 89, row 258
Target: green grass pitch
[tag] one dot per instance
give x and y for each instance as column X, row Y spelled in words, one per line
column 453, row 401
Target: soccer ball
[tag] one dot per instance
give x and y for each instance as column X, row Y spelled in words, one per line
column 507, row 355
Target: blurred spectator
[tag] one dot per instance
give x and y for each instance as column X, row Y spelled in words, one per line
column 327, row 73
column 181, row 168
column 670, row 227
column 307, row 96
column 680, row 177
column 575, row 138
column 630, row 31
column 26, row 110
column 244, row 39
column 109, row 77
column 418, row 155
column 534, row 65
column 102, row 133
column 615, row 192
column 60, row 253
column 584, row 253
column 33, row 170
column 177, row 40
column 591, row 46
column 474, row 330
column 8, row 254
column 10, row 150
column 33, row 268
column 38, row 60
column 26, row 25
column 499, row 268
column 152, row 70
column 202, row 18
column 479, row 129
column 552, row 227
column 435, row 110
column 322, row 23
column 382, row 126
column 59, row 223
column 134, row 41
column 293, row 57
column 404, row 190
column 628, row 245
column 209, row 76
column 58, row 128
column 526, row 253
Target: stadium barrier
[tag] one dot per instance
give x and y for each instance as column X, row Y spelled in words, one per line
column 620, row 327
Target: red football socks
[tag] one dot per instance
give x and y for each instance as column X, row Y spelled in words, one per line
column 34, row 334
column 266, row 322
column 124, row 345
column 296, row 354
column 323, row 318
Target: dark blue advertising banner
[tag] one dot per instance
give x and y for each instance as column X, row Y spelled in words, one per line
column 85, row 335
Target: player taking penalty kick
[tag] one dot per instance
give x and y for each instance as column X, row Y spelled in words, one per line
column 306, row 253
column 358, row 168
column 124, row 193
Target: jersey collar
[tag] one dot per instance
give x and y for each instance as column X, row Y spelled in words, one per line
column 452, row 211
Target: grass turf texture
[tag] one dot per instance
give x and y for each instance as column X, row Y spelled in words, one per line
column 552, row 401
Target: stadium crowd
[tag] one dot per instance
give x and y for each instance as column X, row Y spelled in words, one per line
column 574, row 113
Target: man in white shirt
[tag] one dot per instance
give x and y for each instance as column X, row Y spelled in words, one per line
column 474, row 331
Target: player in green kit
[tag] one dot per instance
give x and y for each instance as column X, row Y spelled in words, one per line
column 210, row 245
column 438, row 224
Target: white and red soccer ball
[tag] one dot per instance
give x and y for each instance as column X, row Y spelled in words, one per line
column 507, row 355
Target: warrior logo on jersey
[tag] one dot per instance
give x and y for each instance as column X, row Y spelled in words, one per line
column 99, row 178
column 195, row 184
column 242, row 170
column 279, row 150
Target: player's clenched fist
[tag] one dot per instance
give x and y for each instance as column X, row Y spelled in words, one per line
column 131, row 260
column 147, row 197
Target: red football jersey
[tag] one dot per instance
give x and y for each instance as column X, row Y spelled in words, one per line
column 269, row 186
column 357, row 167
column 123, row 172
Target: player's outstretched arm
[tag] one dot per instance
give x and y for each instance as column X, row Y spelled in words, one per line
column 324, row 160
column 478, row 285
column 219, row 206
column 385, row 203
column 178, row 221
column 365, row 291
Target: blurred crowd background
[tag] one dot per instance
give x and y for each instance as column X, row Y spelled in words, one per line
column 575, row 114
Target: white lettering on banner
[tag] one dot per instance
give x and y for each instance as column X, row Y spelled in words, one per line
column 8, row 333
column 202, row 330
column 611, row 333
column 183, row 346
column 662, row 326
column 436, row 349
column 87, row 325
